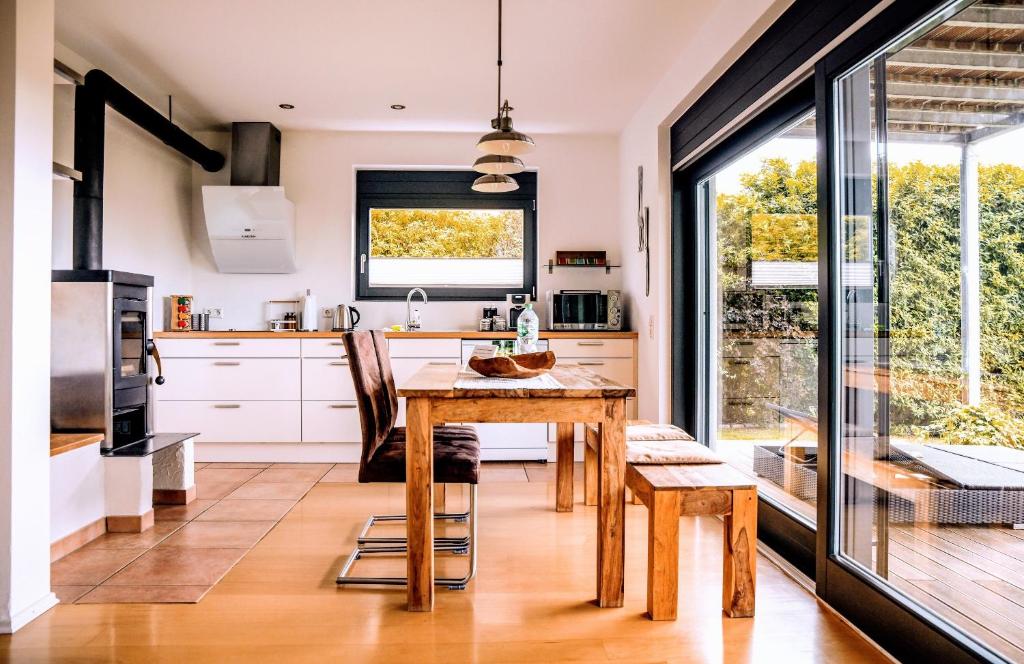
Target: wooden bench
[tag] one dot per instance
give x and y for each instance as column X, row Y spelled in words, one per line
column 697, row 490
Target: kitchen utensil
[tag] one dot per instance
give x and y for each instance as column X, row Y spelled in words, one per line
column 345, row 318
column 498, row 324
column 527, row 365
column 490, row 312
column 485, row 324
column 181, row 313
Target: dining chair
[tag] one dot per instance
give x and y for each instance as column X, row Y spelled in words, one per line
column 382, row 459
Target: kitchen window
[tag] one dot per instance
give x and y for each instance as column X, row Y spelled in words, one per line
column 429, row 229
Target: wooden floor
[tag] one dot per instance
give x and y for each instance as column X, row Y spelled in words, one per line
column 529, row 603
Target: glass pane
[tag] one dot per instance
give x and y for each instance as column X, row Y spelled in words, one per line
column 930, row 165
column 133, row 332
column 440, row 247
column 762, row 212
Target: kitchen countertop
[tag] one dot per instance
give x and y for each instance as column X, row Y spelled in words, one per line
column 65, row 442
column 420, row 334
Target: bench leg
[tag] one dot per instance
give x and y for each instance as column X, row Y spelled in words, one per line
column 663, row 555
column 439, row 499
column 740, row 556
column 589, row 472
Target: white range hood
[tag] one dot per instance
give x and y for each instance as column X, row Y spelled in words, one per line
column 251, row 229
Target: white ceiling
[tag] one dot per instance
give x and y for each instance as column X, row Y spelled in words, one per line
column 571, row 66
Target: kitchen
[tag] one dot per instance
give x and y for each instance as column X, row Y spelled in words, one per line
column 232, row 231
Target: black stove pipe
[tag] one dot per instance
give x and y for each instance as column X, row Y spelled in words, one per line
column 91, row 100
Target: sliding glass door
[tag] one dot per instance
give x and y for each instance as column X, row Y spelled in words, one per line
column 762, row 298
column 927, row 469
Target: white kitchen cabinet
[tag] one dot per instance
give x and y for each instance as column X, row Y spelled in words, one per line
column 327, row 379
column 230, row 378
column 228, row 347
column 323, row 348
column 445, row 348
column 600, row 348
column 233, row 421
column 330, row 422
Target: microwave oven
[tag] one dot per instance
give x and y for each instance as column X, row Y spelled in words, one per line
column 584, row 310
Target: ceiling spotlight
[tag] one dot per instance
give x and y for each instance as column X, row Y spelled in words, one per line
column 397, row 107
column 286, row 107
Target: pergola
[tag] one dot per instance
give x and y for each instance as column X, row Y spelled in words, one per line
column 961, row 83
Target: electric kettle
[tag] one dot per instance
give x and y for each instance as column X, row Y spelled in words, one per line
column 345, row 318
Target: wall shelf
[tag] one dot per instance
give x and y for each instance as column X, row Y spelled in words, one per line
column 62, row 172
column 607, row 268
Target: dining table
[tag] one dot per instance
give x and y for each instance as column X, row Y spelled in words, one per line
column 566, row 395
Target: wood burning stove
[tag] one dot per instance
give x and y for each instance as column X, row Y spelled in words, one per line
column 101, row 351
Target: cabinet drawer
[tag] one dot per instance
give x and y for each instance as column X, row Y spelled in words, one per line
column 330, row 422
column 425, row 347
column 512, row 436
column 228, row 347
column 233, row 421
column 246, row 379
column 323, row 348
column 326, row 379
column 750, row 377
column 750, row 413
column 591, row 347
column 615, row 369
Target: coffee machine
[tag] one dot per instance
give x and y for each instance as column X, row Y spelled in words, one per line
column 516, row 303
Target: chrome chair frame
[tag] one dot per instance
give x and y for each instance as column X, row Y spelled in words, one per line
column 456, row 545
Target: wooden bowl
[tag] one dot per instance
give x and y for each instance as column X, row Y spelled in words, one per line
column 528, row 365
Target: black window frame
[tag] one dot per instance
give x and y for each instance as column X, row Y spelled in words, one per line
column 448, row 189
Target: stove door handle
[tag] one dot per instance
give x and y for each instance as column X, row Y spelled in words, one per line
column 155, row 352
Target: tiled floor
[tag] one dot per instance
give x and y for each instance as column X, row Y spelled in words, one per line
column 191, row 547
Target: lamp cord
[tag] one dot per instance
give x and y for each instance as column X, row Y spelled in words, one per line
column 499, row 59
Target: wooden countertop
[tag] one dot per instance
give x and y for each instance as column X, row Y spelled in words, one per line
column 422, row 334
column 65, row 442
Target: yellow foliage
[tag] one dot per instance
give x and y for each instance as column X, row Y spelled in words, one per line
column 442, row 233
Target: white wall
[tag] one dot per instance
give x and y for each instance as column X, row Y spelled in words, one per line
column 147, row 204
column 707, row 52
column 577, row 208
column 26, row 144
column 77, row 496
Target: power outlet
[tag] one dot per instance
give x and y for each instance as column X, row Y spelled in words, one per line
column 215, row 312
column 328, row 312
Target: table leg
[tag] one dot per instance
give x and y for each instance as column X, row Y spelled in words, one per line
column 590, row 472
column 611, row 504
column 564, row 467
column 419, row 498
column 663, row 555
column 739, row 574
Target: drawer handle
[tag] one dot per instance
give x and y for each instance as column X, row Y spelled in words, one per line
column 441, row 364
column 342, row 405
column 744, row 343
column 339, row 364
column 227, row 405
column 226, row 364
column 335, row 343
column 739, row 361
column 227, row 343
column 589, row 343
column 591, row 364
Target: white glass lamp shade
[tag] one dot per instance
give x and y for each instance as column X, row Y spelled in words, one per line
column 494, row 184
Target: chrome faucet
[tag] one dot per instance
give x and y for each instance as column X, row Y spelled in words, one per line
column 410, row 324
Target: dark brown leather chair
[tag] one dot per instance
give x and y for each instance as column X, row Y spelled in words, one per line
column 456, row 459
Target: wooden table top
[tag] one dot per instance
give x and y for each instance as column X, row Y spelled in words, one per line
column 578, row 382
column 65, row 442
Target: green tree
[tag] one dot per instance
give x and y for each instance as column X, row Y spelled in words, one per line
column 442, row 233
column 768, row 220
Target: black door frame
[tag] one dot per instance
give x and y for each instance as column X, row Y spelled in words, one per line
column 906, row 630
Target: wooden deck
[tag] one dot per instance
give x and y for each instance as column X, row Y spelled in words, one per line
column 971, row 576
